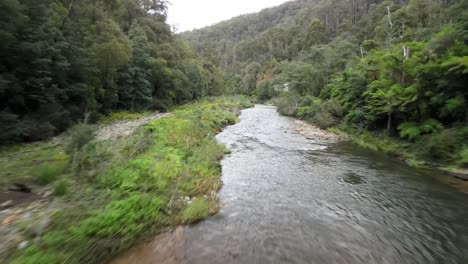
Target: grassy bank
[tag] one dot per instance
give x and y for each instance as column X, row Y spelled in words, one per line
column 426, row 144
column 115, row 193
column 421, row 153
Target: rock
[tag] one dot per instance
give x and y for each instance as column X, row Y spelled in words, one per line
column 92, row 173
column 26, row 215
column 37, row 228
column 47, row 194
column 23, row 245
column 7, row 204
column 186, row 198
column 19, row 187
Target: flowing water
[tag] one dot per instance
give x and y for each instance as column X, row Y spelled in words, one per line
column 287, row 199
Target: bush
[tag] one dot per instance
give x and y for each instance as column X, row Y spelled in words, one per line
column 309, row 107
column 413, row 131
column 61, row 187
column 329, row 115
column 265, row 90
column 462, row 158
column 287, row 104
column 123, row 115
column 80, row 135
column 196, row 211
column 94, row 155
column 49, row 172
column 124, row 218
column 324, row 120
column 445, row 145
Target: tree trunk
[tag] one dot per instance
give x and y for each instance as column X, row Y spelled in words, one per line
column 389, row 122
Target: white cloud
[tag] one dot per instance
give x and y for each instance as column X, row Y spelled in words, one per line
column 190, row 14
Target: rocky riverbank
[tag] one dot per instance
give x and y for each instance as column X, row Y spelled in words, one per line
column 314, row 133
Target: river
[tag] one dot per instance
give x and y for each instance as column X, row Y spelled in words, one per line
column 287, row 199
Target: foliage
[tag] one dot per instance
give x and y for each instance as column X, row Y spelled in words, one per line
column 445, row 145
column 66, row 62
column 287, row 103
column 265, row 90
column 122, row 115
column 138, row 191
column 196, row 211
column 80, row 135
column 49, row 172
column 61, row 187
column 390, row 66
column 413, row 130
column 309, row 107
column 462, row 158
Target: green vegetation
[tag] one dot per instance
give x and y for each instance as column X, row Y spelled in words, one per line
column 392, row 72
column 49, row 172
column 29, row 162
column 67, row 62
column 122, row 115
column 196, row 211
column 61, row 187
column 139, row 189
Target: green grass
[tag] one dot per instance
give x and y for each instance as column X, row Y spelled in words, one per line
column 414, row 153
column 196, row 211
column 21, row 163
column 121, row 116
column 139, row 189
column 49, row 172
column 61, row 187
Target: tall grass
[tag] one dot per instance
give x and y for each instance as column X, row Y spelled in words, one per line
column 141, row 189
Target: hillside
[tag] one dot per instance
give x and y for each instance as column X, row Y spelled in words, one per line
column 396, row 68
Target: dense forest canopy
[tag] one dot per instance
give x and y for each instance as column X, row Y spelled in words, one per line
column 399, row 66
column 66, row 61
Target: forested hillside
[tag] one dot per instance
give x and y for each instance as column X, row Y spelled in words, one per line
column 67, row 61
column 397, row 68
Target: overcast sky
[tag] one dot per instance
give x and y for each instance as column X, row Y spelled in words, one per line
column 190, row 14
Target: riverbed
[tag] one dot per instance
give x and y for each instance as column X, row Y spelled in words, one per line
column 289, row 199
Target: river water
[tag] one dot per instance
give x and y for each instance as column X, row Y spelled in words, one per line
column 287, row 199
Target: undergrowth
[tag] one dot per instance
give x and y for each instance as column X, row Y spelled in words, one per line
column 139, row 190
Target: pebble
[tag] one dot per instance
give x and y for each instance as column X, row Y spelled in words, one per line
column 23, row 245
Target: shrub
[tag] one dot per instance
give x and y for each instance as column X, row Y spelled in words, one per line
column 49, row 172
column 80, row 135
column 329, row 115
column 287, row 104
column 334, row 108
column 356, row 116
column 413, row 131
column 309, row 107
column 324, row 120
column 444, row 146
column 124, row 218
column 123, row 115
column 462, row 158
column 94, row 155
column 196, row 211
column 61, row 187
column 265, row 90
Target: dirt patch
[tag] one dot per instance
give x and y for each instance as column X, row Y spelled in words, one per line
column 124, row 128
column 314, row 133
column 167, row 248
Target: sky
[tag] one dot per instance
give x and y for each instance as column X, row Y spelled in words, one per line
column 191, row 14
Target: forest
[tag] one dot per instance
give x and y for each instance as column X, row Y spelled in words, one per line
column 79, row 186
column 64, row 62
column 392, row 74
